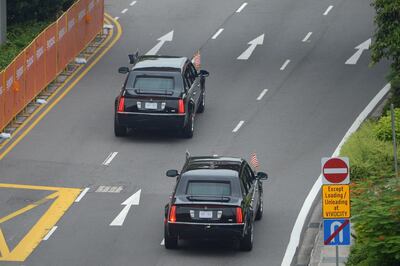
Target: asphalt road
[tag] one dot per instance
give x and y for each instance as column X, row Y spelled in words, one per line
column 309, row 105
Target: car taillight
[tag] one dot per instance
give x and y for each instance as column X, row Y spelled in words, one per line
column 172, row 214
column 181, row 106
column 239, row 215
column 121, row 104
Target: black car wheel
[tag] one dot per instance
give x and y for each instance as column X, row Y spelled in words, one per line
column 246, row 244
column 119, row 131
column 202, row 103
column 189, row 128
column 260, row 209
column 170, row 242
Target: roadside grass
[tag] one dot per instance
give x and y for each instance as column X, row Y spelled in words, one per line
column 375, row 195
column 19, row 36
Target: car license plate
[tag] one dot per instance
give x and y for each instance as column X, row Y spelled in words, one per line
column 152, row 106
column 205, row 214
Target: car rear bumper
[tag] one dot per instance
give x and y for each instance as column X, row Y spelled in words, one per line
column 150, row 120
column 205, row 231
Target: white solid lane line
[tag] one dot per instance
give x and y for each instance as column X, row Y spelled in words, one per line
column 327, row 10
column 133, row 3
column 241, row 7
column 50, row 233
column 110, row 157
column 238, row 126
column 78, row 199
column 262, row 94
column 307, row 37
column 116, row 18
column 217, row 33
column 124, row 11
column 162, row 242
column 294, row 239
column 285, row 64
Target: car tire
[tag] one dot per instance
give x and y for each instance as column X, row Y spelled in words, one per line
column 260, row 210
column 189, row 128
column 246, row 244
column 119, row 131
column 170, row 242
column 202, row 105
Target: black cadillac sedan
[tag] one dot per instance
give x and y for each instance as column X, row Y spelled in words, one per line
column 214, row 198
column 160, row 92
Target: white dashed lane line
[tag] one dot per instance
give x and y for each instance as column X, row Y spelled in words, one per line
column 217, row 33
column 241, row 7
column 262, row 94
column 307, row 37
column 83, row 193
column 327, row 10
column 109, row 158
column 133, row 3
column 285, row 64
column 236, row 129
column 50, row 233
column 162, row 242
column 124, row 11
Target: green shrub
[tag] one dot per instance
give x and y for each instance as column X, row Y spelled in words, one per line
column 368, row 155
column 376, row 219
column 383, row 130
column 18, row 37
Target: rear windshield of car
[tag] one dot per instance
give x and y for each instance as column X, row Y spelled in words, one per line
column 154, row 83
column 207, row 188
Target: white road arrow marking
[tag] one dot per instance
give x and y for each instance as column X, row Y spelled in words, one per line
column 132, row 200
column 253, row 44
column 360, row 49
column 166, row 38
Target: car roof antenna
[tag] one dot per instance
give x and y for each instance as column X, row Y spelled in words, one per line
column 133, row 58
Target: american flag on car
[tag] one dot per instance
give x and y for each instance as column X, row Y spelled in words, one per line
column 254, row 161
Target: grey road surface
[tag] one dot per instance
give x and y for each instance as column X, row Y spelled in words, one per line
column 304, row 114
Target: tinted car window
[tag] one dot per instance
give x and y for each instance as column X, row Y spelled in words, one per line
column 192, row 70
column 249, row 174
column 154, row 83
column 206, row 188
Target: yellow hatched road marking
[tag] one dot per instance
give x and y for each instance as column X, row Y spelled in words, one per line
column 63, row 199
column 4, row 251
column 28, row 208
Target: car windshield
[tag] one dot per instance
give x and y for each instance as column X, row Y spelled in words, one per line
column 154, row 83
column 206, row 188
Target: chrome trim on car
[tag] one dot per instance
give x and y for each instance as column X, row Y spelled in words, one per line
column 161, row 114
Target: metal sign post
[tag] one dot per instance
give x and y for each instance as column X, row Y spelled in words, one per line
column 394, row 140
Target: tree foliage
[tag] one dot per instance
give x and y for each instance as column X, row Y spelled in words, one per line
column 386, row 43
column 20, row 11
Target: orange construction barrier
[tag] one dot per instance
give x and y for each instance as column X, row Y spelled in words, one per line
column 2, row 98
column 19, row 84
column 30, row 72
column 9, row 96
column 47, row 56
column 51, row 52
column 62, row 49
column 40, row 69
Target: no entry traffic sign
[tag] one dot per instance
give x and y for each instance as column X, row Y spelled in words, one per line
column 335, row 170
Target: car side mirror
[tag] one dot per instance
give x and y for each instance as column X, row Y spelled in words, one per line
column 123, row 70
column 172, row 173
column 262, row 176
column 204, row 73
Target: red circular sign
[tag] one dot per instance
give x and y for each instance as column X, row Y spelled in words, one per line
column 335, row 170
